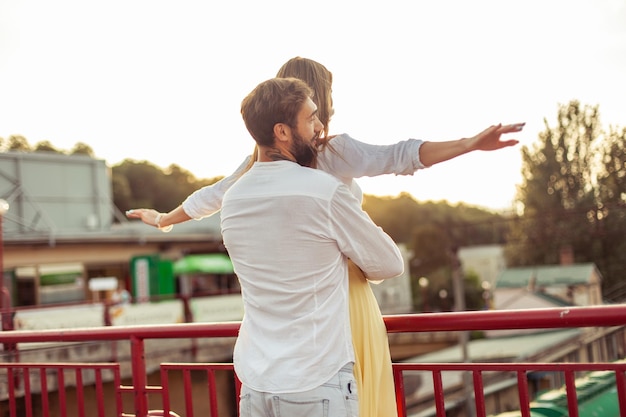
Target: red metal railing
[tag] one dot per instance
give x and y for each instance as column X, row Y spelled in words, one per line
column 19, row 382
column 16, row 376
column 521, row 370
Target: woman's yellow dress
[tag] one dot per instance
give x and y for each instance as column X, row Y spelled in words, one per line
column 372, row 367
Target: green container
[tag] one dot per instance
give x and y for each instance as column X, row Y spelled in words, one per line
column 166, row 278
column 152, row 277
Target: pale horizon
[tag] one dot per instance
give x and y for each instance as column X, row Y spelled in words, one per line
column 162, row 82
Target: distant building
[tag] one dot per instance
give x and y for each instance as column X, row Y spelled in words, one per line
column 548, row 286
column 485, row 261
column 62, row 229
column 565, row 284
column 54, row 194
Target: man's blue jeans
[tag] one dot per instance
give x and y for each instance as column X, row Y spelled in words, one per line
column 336, row 398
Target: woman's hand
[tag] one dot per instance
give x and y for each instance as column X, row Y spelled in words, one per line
column 490, row 138
column 163, row 221
column 148, row 216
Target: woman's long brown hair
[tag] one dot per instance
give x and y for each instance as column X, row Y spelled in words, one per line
column 320, row 79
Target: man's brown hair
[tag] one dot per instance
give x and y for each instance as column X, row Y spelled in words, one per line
column 277, row 100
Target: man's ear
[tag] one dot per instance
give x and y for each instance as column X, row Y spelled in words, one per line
column 282, row 132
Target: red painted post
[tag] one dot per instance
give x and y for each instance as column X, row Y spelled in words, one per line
column 140, row 379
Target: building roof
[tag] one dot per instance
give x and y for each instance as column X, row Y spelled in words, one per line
column 516, row 348
column 553, row 300
column 207, row 229
column 549, row 275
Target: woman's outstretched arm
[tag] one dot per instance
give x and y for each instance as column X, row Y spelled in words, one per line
column 201, row 203
column 432, row 153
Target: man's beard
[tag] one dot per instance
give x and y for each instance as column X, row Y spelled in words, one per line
column 305, row 151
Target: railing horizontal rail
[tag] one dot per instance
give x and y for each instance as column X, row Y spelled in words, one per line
column 569, row 317
column 540, row 318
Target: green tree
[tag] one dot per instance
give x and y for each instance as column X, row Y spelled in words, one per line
column 19, row 143
column 122, row 194
column 180, row 183
column 81, row 148
column 143, row 184
column 146, row 183
column 609, row 218
column 557, row 188
column 401, row 216
column 45, row 146
column 431, row 249
column 397, row 216
column 612, row 178
column 569, row 177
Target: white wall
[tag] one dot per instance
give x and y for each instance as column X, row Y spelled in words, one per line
column 487, row 261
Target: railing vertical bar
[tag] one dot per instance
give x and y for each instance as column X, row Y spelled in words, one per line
column 27, row 392
column 61, row 391
column 479, row 393
column 117, row 380
column 524, row 396
column 212, row 392
column 165, row 392
column 99, row 392
column 80, row 396
column 398, row 379
column 138, row 364
column 188, row 396
column 438, row 394
column 11, row 381
column 620, row 382
column 43, row 377
column 570, row 388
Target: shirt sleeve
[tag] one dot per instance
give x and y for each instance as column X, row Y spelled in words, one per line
column 208, row 200
column 348, row 158
column 361, row 240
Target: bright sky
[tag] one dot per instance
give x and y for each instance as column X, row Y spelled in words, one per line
column 162, row 81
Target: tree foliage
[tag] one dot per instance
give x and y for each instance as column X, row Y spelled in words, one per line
column 81, row 148
column 433, row 231
column 46, row 146
column 142, row 184
column 609, row 218
column 18, row 143
column 572, row 189
column 402, row 217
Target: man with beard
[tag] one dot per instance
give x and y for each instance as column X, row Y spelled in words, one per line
column 290, row 231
